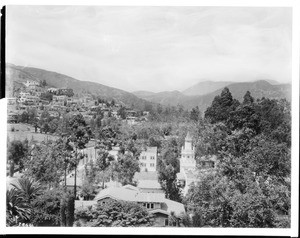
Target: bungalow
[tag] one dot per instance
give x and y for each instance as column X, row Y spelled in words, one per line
column 156, row 203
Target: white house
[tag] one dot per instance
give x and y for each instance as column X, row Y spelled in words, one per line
column 148, row 159
column 31, row 83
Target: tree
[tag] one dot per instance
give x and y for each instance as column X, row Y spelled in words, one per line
column 46, row 208
column 195, row 114
column 168, row 167
column 46, row 163
column 116, row 213
column 221, row 107
column 28, row 188
column 17, row 151
column 250, row 186
column 43, row 83
column 19, row 207
column 23, row 118
column 122, row 112
column 67, row 207
column 47, row 96
column 17, row 210
column 125, row 168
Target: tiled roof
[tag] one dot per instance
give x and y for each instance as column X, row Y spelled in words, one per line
column 127, row 194
column 147, row 183
column 119, row 193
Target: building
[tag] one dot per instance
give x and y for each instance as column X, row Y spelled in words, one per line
column 31, row 83
column 155, row 203
column 148, row 159
column 187, row 159
column 149, row 186
column 59, row 98
column 131, row 120
column 188, row 173
column 52, row 90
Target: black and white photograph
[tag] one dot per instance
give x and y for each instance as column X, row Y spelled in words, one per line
column 150, row 118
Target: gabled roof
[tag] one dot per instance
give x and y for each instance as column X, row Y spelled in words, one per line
column 119, row 193
column 128, row 194
column 131, row 187
column 148, row 183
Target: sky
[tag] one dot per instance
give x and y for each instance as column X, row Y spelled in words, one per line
column 153, row 48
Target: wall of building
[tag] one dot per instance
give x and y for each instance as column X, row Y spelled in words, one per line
column 148, row 160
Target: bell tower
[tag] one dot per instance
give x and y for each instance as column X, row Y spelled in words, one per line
column 187, row 159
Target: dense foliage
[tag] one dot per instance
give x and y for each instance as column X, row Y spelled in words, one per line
column 249, row 187
column 251, row 184
column 114, row 213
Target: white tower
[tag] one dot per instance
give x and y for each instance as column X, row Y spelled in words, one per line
column 187, row 159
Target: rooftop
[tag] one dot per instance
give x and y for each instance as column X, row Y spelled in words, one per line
column 147, row 183
column 151, row 149
column 126, row 193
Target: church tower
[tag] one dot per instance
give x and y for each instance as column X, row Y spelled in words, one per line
column 187, row 159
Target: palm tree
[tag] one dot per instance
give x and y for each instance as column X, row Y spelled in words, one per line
column 17, row 209
column 28, row 188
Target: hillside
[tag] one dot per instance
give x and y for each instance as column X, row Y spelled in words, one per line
column 205, row 87
column 16, row 75
column 143, row 94
column 258, row 89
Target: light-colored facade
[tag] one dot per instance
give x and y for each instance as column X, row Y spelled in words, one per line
column 31, row 83
column 188, row 173
column 187, row 159
column 148, row 159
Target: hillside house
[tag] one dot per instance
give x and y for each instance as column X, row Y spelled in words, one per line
column 31, row 83
column 131, row 120
column 52, row 90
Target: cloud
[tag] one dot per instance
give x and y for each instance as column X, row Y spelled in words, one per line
column 152, row 48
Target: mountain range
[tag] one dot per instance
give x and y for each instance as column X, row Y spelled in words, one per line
column 258, row 89
column 20, row 75
column 201, row 94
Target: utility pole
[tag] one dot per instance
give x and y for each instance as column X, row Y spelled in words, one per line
column 75, row 172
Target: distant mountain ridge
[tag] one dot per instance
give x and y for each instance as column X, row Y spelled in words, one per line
column 258, row 89
column 205, row 87
column 16, row 75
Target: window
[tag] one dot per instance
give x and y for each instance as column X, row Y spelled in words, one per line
column 143, row 157
column 151, row 165
column 166, row 222
column 152, row 157
column 143, row 164
column 188, row 157
column 148, row 205
column 152, row 205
